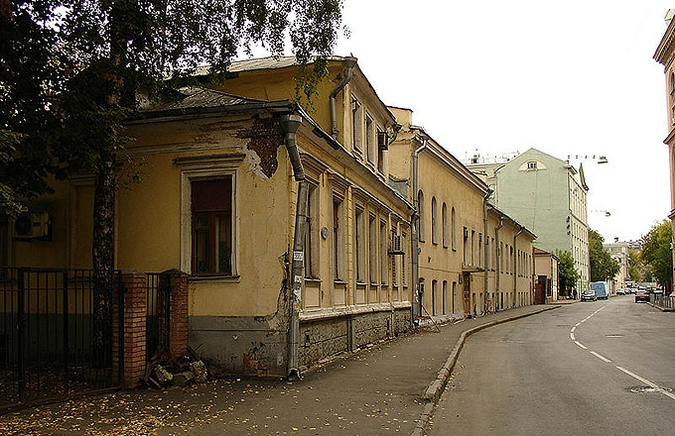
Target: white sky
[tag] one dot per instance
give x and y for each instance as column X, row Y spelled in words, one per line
column 568, row 78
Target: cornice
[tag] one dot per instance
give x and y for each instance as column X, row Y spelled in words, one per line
column 664, row 51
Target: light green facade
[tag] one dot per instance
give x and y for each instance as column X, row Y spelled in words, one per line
column 548, row 196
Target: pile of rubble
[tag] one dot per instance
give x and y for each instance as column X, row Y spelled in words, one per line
column 179, row 372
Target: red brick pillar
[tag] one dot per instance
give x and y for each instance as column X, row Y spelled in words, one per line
column 133, row 286
column 174, row 324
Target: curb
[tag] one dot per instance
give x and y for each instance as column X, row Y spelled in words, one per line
column 435, row 389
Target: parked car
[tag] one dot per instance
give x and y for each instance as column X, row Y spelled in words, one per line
column 621, row 292
column 641, row 295
column 588, row 295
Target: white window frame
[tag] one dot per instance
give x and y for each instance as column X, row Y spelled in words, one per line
column 204, row 169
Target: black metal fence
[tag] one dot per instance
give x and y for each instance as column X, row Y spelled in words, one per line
column 46, row 332
column 661, row 300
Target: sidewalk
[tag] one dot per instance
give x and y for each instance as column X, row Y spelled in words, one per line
column 386, row 388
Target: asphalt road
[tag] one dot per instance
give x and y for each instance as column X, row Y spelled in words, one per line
column 592, row 368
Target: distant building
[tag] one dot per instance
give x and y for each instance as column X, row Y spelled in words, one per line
column 619, row 252
column 469, row 258
column 665, row 55
column 548, row 196
column 546, row 276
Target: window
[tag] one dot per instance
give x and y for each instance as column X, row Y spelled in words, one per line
column 370, row 140
column 420, row 212
column 532, row 165
column 473, row 247
column 211, row 207
column 312, row 234
column 466, row 246
column 384, row 255
column 381, row 147
column 357, row 125
column 404, row 270
column 434, row 221
column 480, row 249
column 434, row 297
column 488, row 253
column 359, row 240
column 338, row 240
column 444, row 224
column 445, row 297
column 453, row 228
column 394, row 259
column 372, row 248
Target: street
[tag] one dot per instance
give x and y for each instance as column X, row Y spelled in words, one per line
column 602, row 367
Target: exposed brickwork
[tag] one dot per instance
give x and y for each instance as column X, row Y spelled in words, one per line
column 175, row 340
column 133, row 287
column 266, row 136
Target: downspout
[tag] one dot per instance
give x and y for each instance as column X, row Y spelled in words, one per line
column 486, row 254
column 291, row 124
column 499, row 260
column 414, row 223
column 349, row 63
column 515, row 264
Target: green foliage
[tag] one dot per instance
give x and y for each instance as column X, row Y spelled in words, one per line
column 603, row 267
column 657, row 252
column 636, row 268
column 96, row 57
column 29, row 76
column 567, row 273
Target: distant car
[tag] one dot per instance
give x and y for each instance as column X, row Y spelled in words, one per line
column 641, row 295
column 588, row 295
column 621, row 292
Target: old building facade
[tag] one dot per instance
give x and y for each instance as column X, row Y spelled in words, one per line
column 548, row 196
column 665, row 55
column 470, row 258
column 302, row 234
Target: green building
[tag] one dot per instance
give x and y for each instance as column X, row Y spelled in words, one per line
column 548, row 196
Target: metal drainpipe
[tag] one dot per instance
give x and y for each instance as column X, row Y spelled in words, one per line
column 290, row 124
column 414, row 222
column 499, row 257
column 515, row 264
column 349, row 63
column 486, row 255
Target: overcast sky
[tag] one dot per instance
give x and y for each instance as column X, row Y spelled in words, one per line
column 568, row 78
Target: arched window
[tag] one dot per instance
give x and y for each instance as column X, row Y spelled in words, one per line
column 444, row 224
column 453, row 228
column 434, row 221
column 420, row 213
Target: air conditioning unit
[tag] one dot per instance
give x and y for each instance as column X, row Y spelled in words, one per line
column 396, row 245
column 32, row 226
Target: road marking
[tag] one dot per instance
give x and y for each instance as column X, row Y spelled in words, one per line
column 651, row 384
column 603, row 358
column 647, row 382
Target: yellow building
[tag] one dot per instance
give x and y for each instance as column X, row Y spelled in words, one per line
column 458, row 274
column 352, row 283
column 295, row 228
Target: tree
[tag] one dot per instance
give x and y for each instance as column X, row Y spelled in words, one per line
column 657, row 253
column 603, row 267
column 567, row 273
column 111, row 51
column 28, row 77
column 636, row 269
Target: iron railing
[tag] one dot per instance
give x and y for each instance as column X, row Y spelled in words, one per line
column 46, row 335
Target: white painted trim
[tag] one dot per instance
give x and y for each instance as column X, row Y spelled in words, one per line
column 207, row 170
